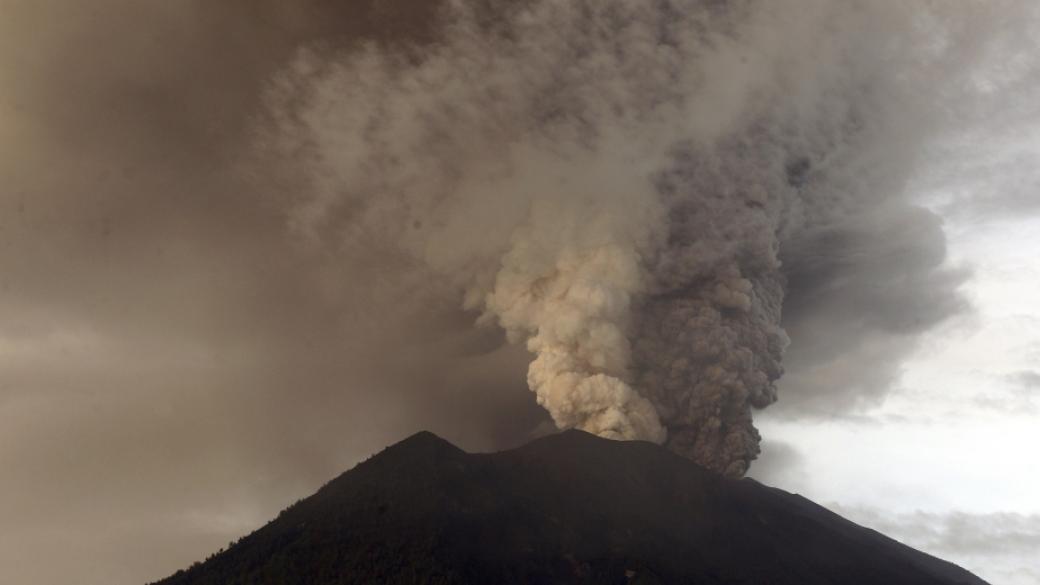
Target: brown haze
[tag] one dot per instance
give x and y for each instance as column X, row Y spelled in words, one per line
column 172, row 366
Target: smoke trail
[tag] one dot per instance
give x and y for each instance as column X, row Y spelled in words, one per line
column 613, row 183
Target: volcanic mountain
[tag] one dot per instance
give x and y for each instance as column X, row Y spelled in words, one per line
column 567, row 508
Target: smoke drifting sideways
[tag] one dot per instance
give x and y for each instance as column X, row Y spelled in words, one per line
column 631, row 189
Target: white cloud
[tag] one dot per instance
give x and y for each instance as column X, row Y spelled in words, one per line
column 1000, row 547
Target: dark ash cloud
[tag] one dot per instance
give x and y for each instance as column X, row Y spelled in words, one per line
column 863, row 295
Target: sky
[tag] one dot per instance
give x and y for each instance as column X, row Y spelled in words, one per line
column 243, row 246
column 946, row 463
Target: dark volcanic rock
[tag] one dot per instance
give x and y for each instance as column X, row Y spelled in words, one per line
column 569, row 508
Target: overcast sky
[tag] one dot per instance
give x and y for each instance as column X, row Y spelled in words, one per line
column 178, row 362
column 947, row 463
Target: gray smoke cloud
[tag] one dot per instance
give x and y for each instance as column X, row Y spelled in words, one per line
column 631, row 188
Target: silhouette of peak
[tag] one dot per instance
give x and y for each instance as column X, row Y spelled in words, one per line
column 581, row 440
column 424, row 441
column 566, row 508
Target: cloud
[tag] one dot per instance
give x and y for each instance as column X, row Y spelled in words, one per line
column 1027, row 380
column 999, row 546
column 809, row 188
column 1015, row 393
column 863, row 295
column 780, row 464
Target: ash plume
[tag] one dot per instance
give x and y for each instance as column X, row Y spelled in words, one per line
column 618, row 185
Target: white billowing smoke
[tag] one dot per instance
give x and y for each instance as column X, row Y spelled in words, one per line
column 613, row 182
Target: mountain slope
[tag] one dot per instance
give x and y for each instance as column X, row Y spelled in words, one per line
column 569, row 508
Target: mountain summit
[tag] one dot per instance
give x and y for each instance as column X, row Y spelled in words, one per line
column 568, row 508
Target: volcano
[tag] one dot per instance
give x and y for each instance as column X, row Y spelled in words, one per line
column 567, row 508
